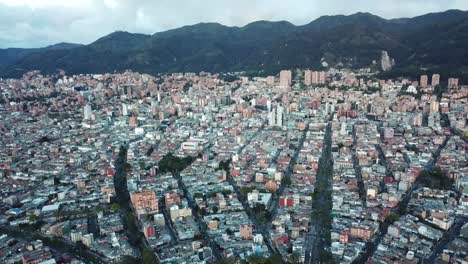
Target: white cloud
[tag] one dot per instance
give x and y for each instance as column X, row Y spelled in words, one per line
column 47, row 3
column 33, row 23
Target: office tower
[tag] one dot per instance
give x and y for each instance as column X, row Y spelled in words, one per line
column 423, row 81
column 434, row 106
column 343, row 131
column 285, row 78
column 308, row 77
column 279, row 116
column 321, row 77
column 453, row 82
column 435, row 79
column 275, row 117
column 87, row 112
column 124, row 109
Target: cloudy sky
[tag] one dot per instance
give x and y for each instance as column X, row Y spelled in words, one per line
column 37, row 23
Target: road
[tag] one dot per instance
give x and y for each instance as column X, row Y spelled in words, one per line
column 132, row 229
column 318, row 239
column 357, row 169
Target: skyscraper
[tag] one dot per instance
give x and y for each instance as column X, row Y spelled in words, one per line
column 124, row 109
column 343, row 131
column 423, row 81
column 453, row 82
column 386, row 62
column 308, row 77
column 434, row 107
column 321, row 77
column 275, row 117
column 87, row 111
column 279, row 116
column 435, row 79
column 285, row 78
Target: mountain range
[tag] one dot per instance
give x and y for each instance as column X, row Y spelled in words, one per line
column 435, row 42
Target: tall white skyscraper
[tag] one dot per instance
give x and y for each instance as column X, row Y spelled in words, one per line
column 88, row 112
column 279, row 116
column 343, row 131
column 124, row 109
column 272, row 118
column 276, row 117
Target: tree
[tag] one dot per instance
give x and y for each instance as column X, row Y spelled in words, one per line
column 275, row 258
column 286, row 181
column 294, row 258
column 392, row 217
column 32, row 218
column 187, row 86
column 230, row 260
column 148, row 256
column 150, row 151
column 129, row 260
column 254, row 259
column 115, row 207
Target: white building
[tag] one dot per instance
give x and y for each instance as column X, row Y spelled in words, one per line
column 88, row 112
column 276, row 117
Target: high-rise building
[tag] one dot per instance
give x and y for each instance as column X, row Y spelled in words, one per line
column 321, row 77
column 343, row 131
column 434, row 108
column 88, row 112
column 285, row 78
column 279, row 116
column 423, row 81
column 124, row 109
column 315, row 77
column 435, row 79
column 308, row 77
column 275, row 117
column 386, row 62
column 453, row 82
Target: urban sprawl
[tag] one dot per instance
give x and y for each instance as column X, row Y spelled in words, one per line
column 332, row 166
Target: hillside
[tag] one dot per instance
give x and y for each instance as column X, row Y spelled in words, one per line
column 434, row 41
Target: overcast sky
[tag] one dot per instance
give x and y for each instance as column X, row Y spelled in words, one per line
column 37, row 23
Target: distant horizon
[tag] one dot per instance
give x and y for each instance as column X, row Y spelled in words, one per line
column 241, row 26
column 41, row 23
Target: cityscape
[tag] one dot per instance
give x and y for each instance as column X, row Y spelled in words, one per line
column 321, row 164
